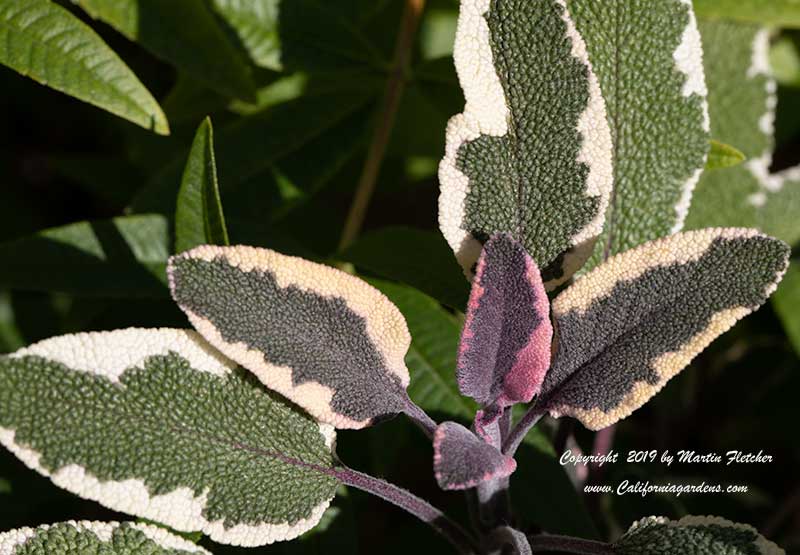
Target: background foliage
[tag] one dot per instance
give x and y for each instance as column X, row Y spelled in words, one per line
column 295, row 89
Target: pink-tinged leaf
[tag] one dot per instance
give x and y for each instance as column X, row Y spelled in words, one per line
column 505, row 346
column 461, row 460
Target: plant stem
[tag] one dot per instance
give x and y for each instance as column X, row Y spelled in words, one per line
column 420, row 508
column 386, row 119
column 567, row 544
column 518, row 433
column 420, row 417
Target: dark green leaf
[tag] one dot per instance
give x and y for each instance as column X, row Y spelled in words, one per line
column 123, row 257
column 787, row 304
column 47, row 43
column 199, row 219
column 419, row 258
column 184, row 33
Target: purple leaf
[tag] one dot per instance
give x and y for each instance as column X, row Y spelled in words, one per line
column 461, row 460
column 505, row 346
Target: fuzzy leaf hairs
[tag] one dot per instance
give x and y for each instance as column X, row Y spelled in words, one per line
column 462, row 460
column 322, row 338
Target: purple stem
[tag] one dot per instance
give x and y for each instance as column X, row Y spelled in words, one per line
column 518, row 433
column 566, row 544
column 494, row 503
column 420, row 417
column 406, row 500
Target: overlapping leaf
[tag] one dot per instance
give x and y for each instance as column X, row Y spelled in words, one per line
column 326, row 340
column 96, row 538
column 462, row 460
column 637, row 320
column 531, row 154
column 42, row 40
column 184, row 33
column 648, row 58
column 157, row 424
column 693, row 535
column 505, row 346
column 742, row 104
column 123, row 257
column 199, row 219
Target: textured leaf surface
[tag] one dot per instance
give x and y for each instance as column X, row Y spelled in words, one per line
column 634, row 322
column 156, row 424
column 742, row 104
column 461, row 460
column 505, row 346
column 780, row 13
column 431, row 359
column 648, row 58
column 326, row 340
column 184, row 33
column 95, row 538
column 42, row 40
column 199, row 219
column 693, row 535
column 531, row 154
column 787, row 304
column 123, row 257
column 723, row 156
column 419, row 258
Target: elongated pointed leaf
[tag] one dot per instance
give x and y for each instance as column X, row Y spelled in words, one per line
column 42, row 40
column 634, row 322
column 742, row 102
column 779, row 13
column 95, row 538
column 324, row 339
column 531, row 154
column 649, row 60
column 693, row 535
column 505, row 346
column 431, row 358
column 156, row 424
column 199, row 219
column 123, row 257
column 461, row 460
column 723, row 156
column 184, row 33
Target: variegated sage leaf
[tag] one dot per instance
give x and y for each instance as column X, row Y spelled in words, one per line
column 624, row 329
column 96, row 538
column 461, row 460
column 323, row 338
column 157, row 424
column 693, row 535
column 505, row 345
column 531, row 154
column 742, row 100
column 649, row 60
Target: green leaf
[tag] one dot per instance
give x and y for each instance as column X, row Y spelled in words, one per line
column 784, row 59
column 787, row 304
column 723, row 156
column 123, row 257
column 184, row 33
column 157, row 424
column 47, row 43
column 199, row 219
column 252, row 145
column 96, row 538
column 648, row 58
column 779, row 13
column 419, row 258
column 431, row 359
column 634, row 322
column 5, row 486
column 742, row 106
column 693, row 535
column 531, row 154
column 301, row 34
